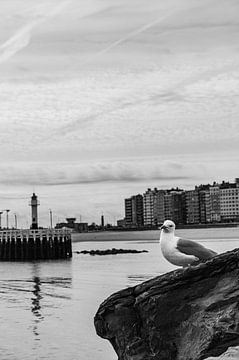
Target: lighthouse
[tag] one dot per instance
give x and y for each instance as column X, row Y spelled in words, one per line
column 34, row 204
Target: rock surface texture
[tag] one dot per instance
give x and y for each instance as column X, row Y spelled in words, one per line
column 187, row 314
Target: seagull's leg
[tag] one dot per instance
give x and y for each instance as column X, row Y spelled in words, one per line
column 195, row 262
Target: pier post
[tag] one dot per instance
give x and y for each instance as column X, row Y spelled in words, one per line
column 4, row 248
column 1, row 247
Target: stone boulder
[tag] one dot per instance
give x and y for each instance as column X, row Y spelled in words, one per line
column 186, row 314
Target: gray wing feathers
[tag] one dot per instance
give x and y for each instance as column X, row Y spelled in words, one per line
column 190, row 247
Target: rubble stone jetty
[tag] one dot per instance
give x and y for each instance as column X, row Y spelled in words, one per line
column 110, row 251
column 186, row 314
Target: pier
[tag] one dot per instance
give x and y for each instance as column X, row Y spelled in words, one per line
column 35, row 244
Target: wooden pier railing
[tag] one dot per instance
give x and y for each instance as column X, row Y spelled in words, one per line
column 41, row 244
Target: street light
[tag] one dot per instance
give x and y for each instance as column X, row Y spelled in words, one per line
column 15, row 216
column 7, row 211
column 50, row 218
column 1, row 212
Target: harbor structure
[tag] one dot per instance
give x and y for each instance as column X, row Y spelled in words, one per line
column 40, row 244
column 34, row 243
column 73, row 225
column 34, row 205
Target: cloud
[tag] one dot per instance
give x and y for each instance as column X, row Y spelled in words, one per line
column 121, row 171
column 16, row 43
column 22, row 37
column 133, row 34
column 87, row 188
column 179, row 15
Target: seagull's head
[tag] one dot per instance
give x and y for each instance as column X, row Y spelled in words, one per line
column 168, row 226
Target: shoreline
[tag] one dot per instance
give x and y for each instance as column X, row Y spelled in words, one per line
column 179, row 226
column 149, row 235
column 100, row 236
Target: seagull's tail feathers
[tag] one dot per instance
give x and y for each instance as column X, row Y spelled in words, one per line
column 208, row 254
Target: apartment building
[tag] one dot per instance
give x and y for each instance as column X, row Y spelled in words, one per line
column 158, row 207
column 154, row 211
column 213, row 203
column 192, row 201
column 204, row 204
column 174, row 206
column 214, row 198
column 134, row 213
column 229, row 202
column 209, row 203
column 148, row 204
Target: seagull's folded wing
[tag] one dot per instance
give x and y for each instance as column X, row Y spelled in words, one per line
column 190, row 247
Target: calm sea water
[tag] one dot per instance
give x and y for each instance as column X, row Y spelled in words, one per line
column 47, row 308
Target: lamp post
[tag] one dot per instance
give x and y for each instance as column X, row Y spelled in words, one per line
column 15, row 217
column 1, row 212
column 7, row 211
column 50, row 218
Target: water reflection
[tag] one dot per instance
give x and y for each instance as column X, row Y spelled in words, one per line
column 36, row 301
column 51, row 286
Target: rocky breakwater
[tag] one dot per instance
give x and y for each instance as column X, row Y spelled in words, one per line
column 110, row 252
column 187, row 314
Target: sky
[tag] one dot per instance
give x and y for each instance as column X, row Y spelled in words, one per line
column 100, row 100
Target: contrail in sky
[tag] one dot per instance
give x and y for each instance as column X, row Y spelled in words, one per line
column 133, row 34
column 72, row 124
column 22, row 37
column 17, row 42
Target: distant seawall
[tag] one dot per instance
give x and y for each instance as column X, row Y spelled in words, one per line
column 150, row 235
column 115, row 236
column 207, row 226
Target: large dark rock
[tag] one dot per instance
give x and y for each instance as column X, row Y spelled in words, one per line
column 187, row 314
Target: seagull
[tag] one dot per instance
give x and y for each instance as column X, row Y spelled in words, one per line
column 181, row 252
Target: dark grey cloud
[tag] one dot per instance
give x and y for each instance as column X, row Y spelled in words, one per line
column 106, row 172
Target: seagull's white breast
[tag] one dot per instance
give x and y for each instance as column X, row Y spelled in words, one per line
column 169, row 246
column 168, row 243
